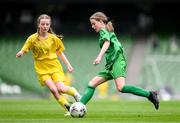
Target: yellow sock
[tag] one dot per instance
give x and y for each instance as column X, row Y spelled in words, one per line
column 71, row 91
column 62, row 101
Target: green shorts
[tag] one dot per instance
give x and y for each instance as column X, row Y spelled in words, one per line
column 118, row 69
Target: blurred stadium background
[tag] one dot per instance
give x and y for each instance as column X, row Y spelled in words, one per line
column 149, row 31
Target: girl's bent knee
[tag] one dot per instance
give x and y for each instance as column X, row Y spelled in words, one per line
column 119, row 88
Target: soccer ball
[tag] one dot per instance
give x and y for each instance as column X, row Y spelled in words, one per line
column 78, row 110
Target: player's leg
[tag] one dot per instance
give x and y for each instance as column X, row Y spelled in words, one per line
column 60, row 99
column 152, row 96
column 91, row 88
column 120, row 84
column 119, row 73
column 68, row 90
column 58, row 78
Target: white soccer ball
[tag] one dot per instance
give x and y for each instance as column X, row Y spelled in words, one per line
column 78, row 110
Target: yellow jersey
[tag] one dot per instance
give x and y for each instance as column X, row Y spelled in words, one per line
column 45, row 53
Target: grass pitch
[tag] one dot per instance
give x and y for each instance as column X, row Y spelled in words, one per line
column 102, row 111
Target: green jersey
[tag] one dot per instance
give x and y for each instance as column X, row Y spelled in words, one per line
column 115, row 48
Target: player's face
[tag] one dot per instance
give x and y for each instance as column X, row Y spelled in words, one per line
column 96, row 25
column 44, row 25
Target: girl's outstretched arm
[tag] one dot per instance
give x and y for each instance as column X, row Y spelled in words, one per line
column 101, row 53
column 66, row 61
column 19, row 54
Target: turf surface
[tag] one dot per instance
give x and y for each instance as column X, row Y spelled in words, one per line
column 102, row 111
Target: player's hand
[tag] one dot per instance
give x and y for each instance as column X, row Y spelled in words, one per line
column 70, row 68
column 19, row 54
column 97, row 61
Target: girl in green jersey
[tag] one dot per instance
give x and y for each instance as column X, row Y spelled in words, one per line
column 115, row 67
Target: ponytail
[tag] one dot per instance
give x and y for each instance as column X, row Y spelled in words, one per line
column 52, row 32
column 109, row 26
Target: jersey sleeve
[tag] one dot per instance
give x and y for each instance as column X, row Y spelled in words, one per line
column 27, row 45
column 59, row 45
column 104, row 35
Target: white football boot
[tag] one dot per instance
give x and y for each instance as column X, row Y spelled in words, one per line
column 77, row 96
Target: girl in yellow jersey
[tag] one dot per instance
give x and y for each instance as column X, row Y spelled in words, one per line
column 46, row 48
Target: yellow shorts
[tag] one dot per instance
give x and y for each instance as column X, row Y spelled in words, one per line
column 56, row 77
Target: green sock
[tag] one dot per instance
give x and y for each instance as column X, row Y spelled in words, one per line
column 135, row 90
column 87, row 95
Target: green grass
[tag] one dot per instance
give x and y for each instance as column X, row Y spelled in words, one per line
column 48, row 111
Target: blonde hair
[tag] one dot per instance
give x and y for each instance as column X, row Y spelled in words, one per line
column 45, row 16
column 100, row 16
